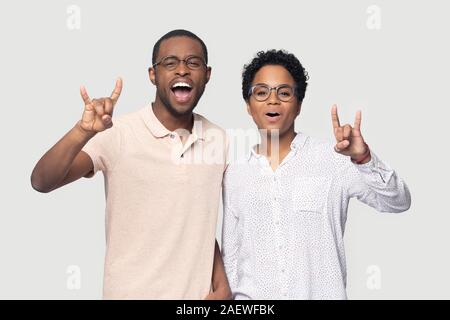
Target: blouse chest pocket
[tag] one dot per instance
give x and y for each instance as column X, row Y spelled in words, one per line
column 310, row 194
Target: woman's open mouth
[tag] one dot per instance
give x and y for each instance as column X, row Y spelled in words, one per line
column 273, row 116
column 182, row 91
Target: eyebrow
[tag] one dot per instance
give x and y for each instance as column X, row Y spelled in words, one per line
column 265, row 84
column 187, row 57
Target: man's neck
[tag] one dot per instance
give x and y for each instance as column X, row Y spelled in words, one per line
column 170, row 121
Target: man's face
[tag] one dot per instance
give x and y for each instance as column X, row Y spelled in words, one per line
column 171, row 87
column 273, row 113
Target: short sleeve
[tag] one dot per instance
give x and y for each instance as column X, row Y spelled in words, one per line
column 104, row 149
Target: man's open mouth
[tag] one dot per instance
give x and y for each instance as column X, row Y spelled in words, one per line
column 272, row 114
column 182, row 91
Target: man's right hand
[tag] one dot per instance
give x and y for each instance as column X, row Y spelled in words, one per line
column 97, row 114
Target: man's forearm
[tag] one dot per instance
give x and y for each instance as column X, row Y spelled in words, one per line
column 219, row 278
column 55, row 163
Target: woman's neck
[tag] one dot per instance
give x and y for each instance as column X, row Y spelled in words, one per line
column 275, row 147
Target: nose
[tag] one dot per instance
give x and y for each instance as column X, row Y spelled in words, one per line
column 273, row 98
column 182, row 69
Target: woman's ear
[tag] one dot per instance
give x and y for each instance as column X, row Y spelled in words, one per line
column 248, row 108
column 299, row 107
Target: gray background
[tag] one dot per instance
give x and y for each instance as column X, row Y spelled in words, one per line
column 397, row 75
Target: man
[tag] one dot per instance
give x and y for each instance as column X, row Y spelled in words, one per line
column 161, row 207
column 285, row 205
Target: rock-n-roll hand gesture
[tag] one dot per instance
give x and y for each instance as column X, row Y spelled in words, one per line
column 97, row 114
column 349, row 141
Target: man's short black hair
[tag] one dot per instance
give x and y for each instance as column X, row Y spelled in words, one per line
column 275, row 57
column 178, row 33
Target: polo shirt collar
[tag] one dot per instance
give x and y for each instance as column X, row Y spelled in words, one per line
column 158, row 129
column 198, row 128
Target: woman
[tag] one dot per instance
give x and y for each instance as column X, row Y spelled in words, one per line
column 285, row 204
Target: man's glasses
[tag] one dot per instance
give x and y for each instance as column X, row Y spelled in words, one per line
column 261, row 92
column 172, row 62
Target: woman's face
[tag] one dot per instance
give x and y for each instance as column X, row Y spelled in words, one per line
column 278, row 111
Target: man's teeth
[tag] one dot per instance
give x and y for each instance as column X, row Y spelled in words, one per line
column 181, row 85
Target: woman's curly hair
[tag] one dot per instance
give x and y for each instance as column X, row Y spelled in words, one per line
column 275, row 57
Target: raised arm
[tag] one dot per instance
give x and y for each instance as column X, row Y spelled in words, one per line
column 65, row 162
column 376, row 184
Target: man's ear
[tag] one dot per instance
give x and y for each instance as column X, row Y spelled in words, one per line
column 208, row 74
column 152, row 75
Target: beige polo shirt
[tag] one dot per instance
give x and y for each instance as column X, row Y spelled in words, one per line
column 162, row 199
